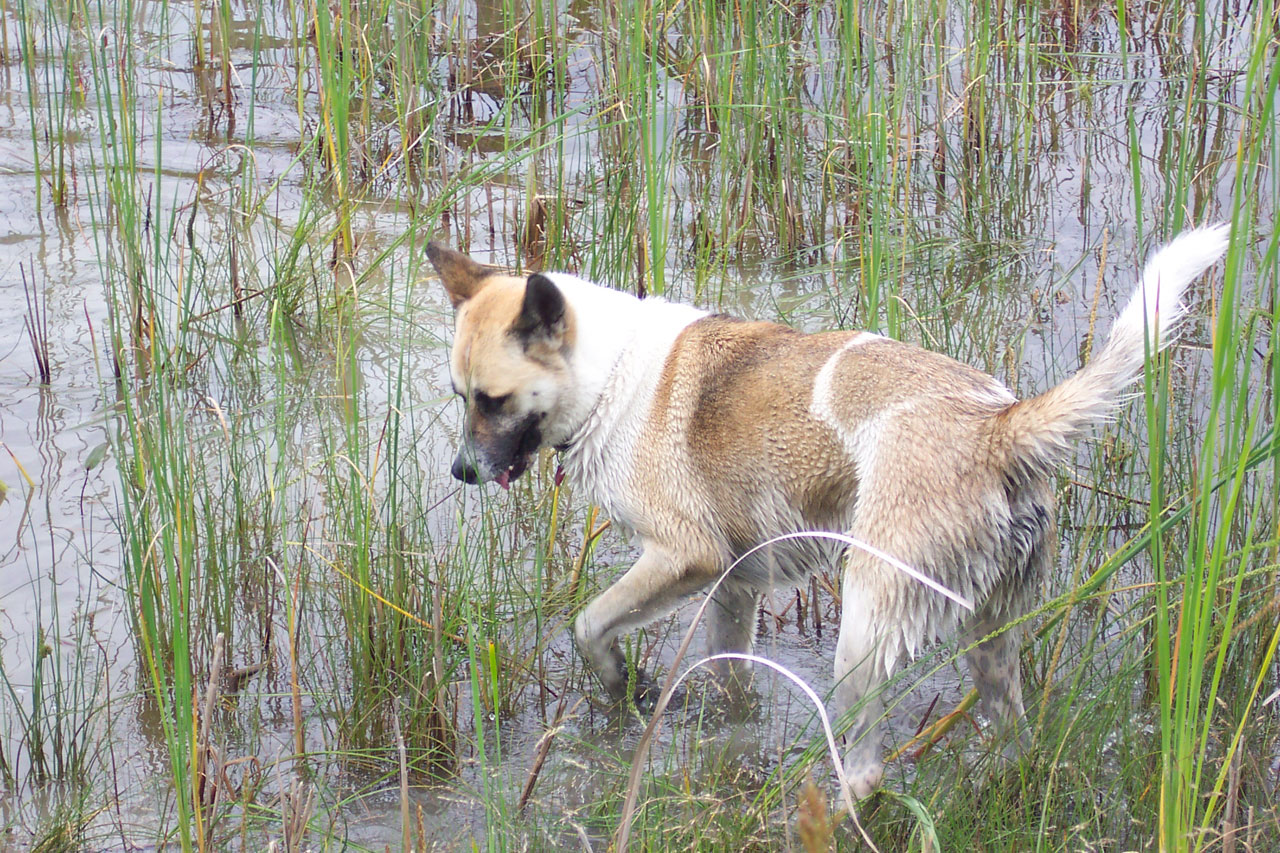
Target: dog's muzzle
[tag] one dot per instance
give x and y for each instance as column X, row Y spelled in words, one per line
column 464, row 469
column 502, row 460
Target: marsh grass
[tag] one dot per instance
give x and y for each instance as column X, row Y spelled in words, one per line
column 984, row 181
column 54, row 712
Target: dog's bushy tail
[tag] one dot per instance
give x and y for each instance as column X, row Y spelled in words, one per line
column 1038, row 433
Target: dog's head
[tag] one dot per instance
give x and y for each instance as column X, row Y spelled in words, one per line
column 512, row 339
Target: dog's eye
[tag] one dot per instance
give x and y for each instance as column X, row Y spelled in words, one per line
column 489, row 405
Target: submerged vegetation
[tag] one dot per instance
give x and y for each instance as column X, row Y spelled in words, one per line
column 287, row 625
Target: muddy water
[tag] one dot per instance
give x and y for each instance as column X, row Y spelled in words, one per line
column 60, row 552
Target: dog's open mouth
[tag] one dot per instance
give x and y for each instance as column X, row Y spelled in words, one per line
column 513, row 473
column 527, row 445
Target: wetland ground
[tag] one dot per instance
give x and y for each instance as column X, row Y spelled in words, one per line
column 242, row 602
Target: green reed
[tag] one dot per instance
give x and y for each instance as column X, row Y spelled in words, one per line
column 1202, row 596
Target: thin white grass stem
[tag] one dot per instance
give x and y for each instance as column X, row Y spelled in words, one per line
column 622, row 836
column 827, row 731
column 852, row 542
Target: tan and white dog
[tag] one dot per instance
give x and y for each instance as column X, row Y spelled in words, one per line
column 707, row 435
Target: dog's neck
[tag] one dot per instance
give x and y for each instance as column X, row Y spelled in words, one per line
column 605, row 321
column 621, row 345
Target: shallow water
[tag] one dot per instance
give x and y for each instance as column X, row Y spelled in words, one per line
column 1062, row 191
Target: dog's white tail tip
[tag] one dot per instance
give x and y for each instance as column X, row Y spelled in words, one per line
column 1198, row 248
column 1157, row 303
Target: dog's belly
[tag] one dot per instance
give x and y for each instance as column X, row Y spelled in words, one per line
column 783, row 522
column 787, row 562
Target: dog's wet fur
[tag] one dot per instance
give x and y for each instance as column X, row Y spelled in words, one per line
column 706, row 436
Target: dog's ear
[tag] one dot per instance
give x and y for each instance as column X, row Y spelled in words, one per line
column 542, row 314
column 463, row 278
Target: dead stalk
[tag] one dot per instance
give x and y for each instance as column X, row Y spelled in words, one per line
column 208, row 772
column 1232, row 805
column 404, row 781
column 36, row 321
column 297, row 801
column 934, row 733
column 544, row 747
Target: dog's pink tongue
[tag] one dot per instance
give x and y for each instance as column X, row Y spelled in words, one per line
column 504, row 479
column 559, row 474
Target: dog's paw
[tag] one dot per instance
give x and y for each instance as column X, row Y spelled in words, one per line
column 864, row 780
column 646, row 692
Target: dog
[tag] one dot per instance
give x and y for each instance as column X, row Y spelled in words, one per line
column 706, row 436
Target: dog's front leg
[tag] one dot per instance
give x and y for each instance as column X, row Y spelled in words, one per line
column 648, row 591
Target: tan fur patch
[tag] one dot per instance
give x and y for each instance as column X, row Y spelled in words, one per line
column 463, row 278
column 485, row 353
column 730, row 431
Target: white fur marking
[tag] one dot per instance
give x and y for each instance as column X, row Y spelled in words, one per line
column 861, row 441
column 622, row 347
column 821, row 405
column 1156, row 307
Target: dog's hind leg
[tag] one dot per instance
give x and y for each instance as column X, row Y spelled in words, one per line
column 993, row 661
column 993, row 664
column 731, row 627
column 647, row 591
column 864, row 658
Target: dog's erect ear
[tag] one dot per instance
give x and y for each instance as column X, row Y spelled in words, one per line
column 542, row 314
column 462, row 276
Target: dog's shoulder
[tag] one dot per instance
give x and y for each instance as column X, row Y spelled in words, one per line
column 723, row 375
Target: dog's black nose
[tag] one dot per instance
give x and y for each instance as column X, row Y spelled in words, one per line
column 464, row 471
